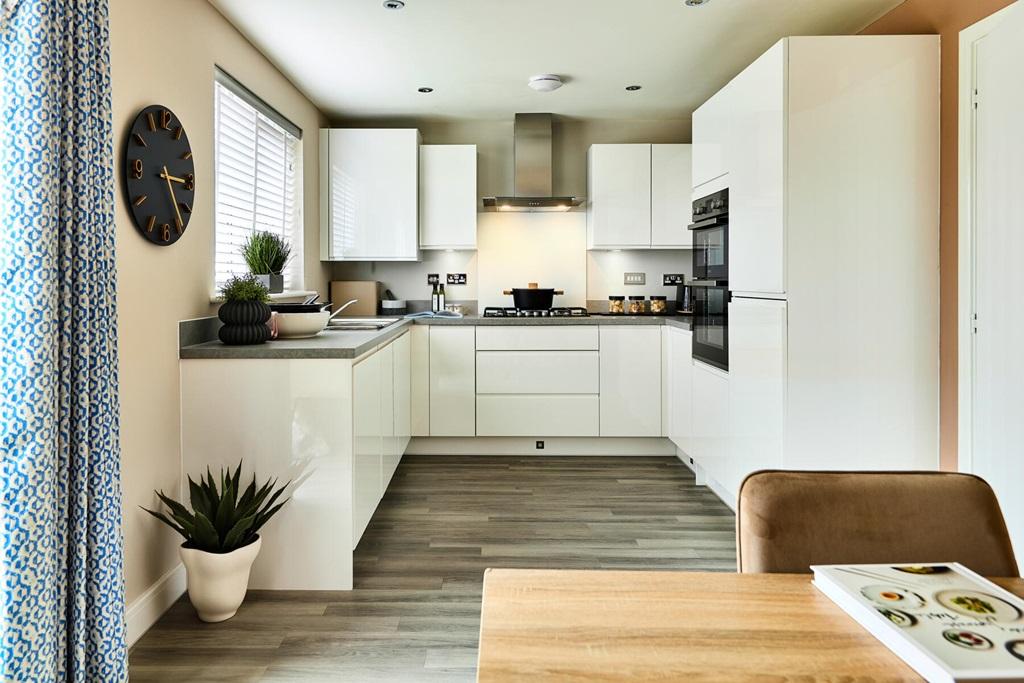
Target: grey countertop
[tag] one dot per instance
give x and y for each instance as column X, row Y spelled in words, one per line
column 344, row 344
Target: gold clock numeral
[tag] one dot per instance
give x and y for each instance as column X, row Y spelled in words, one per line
column 165, row 119
column 151, row 120
column 190, row 182
column 165, row 232
column 185, row 207
column 139, row 140
column 140, row 200
column 137, row 169
column 178, row 224
column 177, row 132
column 150, row 224
column 187, row 155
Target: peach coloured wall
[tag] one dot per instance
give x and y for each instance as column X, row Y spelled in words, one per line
column 946, row 18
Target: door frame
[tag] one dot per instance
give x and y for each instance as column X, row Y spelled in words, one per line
column 969, row 38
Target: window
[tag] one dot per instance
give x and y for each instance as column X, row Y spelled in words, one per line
column 258, row 176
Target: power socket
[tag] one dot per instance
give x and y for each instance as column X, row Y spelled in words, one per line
column 433, row 278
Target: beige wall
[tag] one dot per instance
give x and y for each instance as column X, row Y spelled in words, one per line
column 946, row 18
column 165, row 52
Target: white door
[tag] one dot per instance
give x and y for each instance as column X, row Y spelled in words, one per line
column 997, row 444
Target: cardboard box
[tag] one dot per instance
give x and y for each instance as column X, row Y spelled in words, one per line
column 366, row 291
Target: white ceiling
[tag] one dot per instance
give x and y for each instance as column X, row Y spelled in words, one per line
column 355, row 59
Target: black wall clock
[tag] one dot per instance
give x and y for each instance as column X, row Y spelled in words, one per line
column 159, row 175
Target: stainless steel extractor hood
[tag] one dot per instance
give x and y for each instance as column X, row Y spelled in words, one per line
column 532, row 170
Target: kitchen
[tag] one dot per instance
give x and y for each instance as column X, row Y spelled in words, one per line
column 544, row 311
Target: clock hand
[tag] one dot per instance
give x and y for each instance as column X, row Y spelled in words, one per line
column 166, row 176
column 174, row 201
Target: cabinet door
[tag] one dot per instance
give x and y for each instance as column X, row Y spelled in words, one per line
column 419, row 342
column 389, row 442
column 619, row 196
column 367, row 444
column 711, row 124
column 757, row 371
column 403, row 395
column 630, row 380
column 709, row 444
column 448, row 202
column 452, row 381
column 680, row 387
column 756, row 176
column 372, row 202
column 671, row 204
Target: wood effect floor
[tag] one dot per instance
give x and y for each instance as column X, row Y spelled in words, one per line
column 415, row 612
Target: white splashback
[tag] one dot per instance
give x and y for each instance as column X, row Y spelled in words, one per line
column 518, row 248
column 605, row 271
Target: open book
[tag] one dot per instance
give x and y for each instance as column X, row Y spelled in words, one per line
column 945, row 621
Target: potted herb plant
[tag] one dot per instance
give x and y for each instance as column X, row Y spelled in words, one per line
column 221, row 539
column 266, row 254
column 244, row 312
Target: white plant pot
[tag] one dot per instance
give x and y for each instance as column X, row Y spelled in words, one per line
column 217, row 581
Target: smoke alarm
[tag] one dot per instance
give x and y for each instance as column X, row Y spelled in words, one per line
column 545, row 82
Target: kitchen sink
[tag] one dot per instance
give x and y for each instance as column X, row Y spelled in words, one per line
column 361, row 324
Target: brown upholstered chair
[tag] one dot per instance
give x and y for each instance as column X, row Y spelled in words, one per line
column 789, row 520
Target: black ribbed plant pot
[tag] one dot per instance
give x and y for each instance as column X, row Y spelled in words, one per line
column 245, row 322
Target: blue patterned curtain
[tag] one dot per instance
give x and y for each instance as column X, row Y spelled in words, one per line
column 61, row 579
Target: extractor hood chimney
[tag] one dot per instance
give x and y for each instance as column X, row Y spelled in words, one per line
column 532, row 170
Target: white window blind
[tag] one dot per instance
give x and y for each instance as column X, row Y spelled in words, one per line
column 258, row 182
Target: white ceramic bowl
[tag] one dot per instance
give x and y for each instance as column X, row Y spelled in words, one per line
column 301, row 325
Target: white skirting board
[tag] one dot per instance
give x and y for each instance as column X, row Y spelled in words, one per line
column 702, row 479
column 502, row 445
column 158, row 598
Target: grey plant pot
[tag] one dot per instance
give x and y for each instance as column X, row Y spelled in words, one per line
column 274, row 282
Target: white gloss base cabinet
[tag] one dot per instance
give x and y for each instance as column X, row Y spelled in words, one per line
column 678, row 391
column 630, row 380
column 448, row 201
column 369, row 194
column 319, row 423
column 452, row 381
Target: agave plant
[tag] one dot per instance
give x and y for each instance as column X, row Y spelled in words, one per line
column 221, row 519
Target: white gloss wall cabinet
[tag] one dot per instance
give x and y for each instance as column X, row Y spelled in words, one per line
column 337, row 428
column 631, row 379
column 619, row 196
column 452, row 380
column 369, row 194
column 711, row 132
column 671, row 197
column 448, row 196
column 679, row 390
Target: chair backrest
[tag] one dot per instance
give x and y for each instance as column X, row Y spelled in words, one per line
column 789, row 520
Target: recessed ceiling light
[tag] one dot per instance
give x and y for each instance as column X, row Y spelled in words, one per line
column 398, row 4
column 697, row 3
column 424, row 90
column 545, row 82
column 633, row 88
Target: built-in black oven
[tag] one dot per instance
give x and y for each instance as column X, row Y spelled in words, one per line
column 710, row 287
column 710, row 229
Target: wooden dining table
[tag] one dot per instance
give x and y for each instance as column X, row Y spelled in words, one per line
column 584, row 625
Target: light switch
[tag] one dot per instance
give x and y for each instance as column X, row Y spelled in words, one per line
column 634, row 279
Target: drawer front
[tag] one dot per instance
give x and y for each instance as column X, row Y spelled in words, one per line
column 537, row 415
column 537, row 338
column 537, row 372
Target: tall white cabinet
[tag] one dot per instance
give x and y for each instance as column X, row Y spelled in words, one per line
column 369, row 194
column 830, row 149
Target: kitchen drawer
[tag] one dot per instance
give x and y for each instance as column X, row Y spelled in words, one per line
column 537, row 372
column 537, row 338
column 537, row 415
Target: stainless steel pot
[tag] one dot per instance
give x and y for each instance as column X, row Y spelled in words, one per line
column 533, row 298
